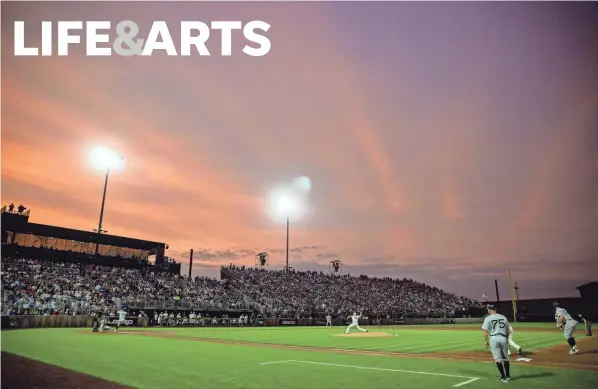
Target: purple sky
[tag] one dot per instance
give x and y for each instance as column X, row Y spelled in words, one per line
column 446, row 142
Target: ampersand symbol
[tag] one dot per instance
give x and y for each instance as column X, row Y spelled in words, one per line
column 126, row 31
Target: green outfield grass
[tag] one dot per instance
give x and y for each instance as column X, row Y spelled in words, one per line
column 186, row 360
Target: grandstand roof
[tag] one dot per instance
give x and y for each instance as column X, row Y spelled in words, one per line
column 589, row 290
column 20, row 224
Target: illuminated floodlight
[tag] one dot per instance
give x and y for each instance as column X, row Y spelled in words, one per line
column 289, row 203
column 303, row 184
column 285, row 203
column 103, row 158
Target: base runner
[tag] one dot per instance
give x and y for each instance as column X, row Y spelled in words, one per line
column 496, row 334
column 512, row 343
column 354, row 323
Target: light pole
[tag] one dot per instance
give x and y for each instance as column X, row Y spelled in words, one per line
column 287, row 205
column 288, row 201
column 287, row 267
column 104, row 159
column 102, row 208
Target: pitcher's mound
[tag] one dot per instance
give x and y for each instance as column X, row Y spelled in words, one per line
column 366, row 335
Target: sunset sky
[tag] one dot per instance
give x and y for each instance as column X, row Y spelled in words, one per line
column 446, row 142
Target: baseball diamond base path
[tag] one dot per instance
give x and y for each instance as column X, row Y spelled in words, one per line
column 24, row 373
column 553, row 357
column 365, row 335
column 425, row 327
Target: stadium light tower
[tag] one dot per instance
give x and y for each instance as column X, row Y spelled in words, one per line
column 286, row 203
column 287, row 206
column 105, row 159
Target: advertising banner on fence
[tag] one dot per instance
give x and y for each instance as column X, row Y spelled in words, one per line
column 129, row 321
column 400, row 321
column 260, row 322
column 288, row 322
column 320, row 322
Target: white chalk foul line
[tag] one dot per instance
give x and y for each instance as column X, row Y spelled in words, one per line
column 465, row 382
column 275, row 362
column 471, row 379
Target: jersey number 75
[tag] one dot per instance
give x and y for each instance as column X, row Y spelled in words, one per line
column 500, row 322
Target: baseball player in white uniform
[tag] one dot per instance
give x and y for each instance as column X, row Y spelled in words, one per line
column 328, row 320
column 496, row 335
column 354, row 323
column 103, row 326
column 122, row 315
column 567, row 324
column 512, row 343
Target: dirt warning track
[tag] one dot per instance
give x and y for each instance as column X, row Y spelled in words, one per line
column 554, row 357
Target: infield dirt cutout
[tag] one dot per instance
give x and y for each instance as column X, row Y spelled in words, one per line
column 365, row 335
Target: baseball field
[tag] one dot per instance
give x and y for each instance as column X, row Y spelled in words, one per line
column 410, row 357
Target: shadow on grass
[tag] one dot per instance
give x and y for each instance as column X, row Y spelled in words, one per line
column 535, row 375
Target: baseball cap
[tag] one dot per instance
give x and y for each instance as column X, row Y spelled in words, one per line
column 490, row 306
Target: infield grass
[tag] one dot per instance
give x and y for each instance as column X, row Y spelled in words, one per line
column 414, row 340
column 185, row 359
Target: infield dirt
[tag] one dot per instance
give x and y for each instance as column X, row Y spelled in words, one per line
column 440, row 328
column 365, row 335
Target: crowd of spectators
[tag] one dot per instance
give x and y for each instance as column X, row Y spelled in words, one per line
column 308, row 293
column 34, row 287
column 51, row 288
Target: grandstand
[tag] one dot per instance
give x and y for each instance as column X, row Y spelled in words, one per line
column 21, row 238
column 315, row 294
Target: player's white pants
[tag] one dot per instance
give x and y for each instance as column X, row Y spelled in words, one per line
column 500, row 348
column 513, row 344
column 328, row 323
column 354, row 325
column 120, row 324
column 569, row 330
